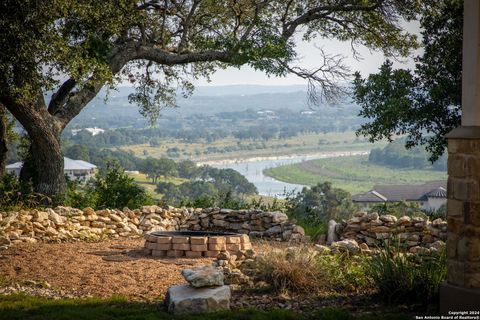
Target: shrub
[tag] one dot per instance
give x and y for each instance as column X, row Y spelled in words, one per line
column 115, row 189
column 298, row 271
column 17, row 195
column 402, row 277
column 302, row 269
column 78, row 196
column 313, row 207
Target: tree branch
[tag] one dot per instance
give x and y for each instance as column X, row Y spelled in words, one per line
column 59, row 97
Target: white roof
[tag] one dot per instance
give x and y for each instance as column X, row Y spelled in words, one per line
column 69, row 164
column 86, row 164
column 16, row 165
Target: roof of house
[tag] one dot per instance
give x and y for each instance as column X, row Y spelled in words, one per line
column 69, row 164
column 16, row 165
column 394, row 193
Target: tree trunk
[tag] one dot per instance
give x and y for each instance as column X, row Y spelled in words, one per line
column 47, row 162
column 3, row 140
column 44, row 164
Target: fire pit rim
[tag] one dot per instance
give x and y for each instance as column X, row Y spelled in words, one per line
column 188, row 233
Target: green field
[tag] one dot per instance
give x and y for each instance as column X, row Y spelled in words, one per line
column 223, row 148
column 354, row 174
column 149, row 186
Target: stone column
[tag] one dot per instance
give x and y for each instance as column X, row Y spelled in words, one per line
column 461, row 291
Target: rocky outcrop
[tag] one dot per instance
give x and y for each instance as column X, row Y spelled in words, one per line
column 373, row 230
column 64, row 223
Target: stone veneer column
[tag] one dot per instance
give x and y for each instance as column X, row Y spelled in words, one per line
column 461, row 292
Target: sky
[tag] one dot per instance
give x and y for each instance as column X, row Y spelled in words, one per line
column 369, row 63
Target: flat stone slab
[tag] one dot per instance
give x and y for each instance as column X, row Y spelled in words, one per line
column 185, row 299
column 205, row 276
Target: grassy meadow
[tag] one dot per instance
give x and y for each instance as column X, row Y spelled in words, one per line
column 149, row 186
column 354, row 173
column 228, row 148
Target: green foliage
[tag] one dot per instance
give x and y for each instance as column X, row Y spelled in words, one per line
column 395, row 155
column 79, row 196
column 320, row 203
column 399, row 209
column 425, row 103
column 115, row 189
column 18, row 195
column 313, row 207
column 405, row 278
column 209, row 187
column 156, row 168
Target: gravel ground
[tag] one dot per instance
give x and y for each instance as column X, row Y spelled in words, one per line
column 80, row 269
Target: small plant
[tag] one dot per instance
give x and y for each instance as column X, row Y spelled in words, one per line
column 403, row 277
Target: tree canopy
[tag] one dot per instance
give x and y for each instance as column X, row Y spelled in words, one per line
column 423, row 104
column 75, row 48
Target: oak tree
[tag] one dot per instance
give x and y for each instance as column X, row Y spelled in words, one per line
column 77, row 47
column 424, row 103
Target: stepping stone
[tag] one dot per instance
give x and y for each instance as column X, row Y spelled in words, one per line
column 184, row 299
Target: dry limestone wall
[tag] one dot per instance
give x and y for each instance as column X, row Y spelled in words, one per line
column 64, row 223
column 370, row 228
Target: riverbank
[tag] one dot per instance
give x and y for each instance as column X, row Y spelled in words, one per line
column 303, row 156
column 354, row 174
column 253, row 169
column 232, row 148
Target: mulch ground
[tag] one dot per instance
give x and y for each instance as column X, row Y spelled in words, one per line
column 119, row 268
column 101, row 269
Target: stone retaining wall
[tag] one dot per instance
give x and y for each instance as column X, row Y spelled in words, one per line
column 64, row 223
column 372, row 229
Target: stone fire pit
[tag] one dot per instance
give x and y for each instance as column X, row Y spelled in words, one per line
column 194, row 244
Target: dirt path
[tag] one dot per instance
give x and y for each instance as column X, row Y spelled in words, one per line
column 82, row 269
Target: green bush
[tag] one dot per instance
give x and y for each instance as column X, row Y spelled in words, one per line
column 313, row 207
column 115, row 189
column 78, row 196
column 111, row 189
column 18, row 195
column 402, row 277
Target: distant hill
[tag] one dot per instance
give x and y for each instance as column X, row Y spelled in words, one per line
column 206, row 100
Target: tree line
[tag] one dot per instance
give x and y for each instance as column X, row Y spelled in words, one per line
column 396, row 155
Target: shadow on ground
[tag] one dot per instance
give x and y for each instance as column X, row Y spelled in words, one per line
column 19, row 306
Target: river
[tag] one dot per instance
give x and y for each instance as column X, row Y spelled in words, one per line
column 253, row 168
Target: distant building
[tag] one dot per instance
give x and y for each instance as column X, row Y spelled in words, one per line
column 93, row 131
column 430, row 196
column 308, row 112
column 75, row 169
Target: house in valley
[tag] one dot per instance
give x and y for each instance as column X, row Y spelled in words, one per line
column 430, row 196
column 78, row 170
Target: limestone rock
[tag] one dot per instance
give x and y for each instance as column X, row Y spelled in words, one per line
column 348, row 245
column 4, row 240
column 332, row 234
column 184, row 299
column 205, row 276
column 322, row 249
